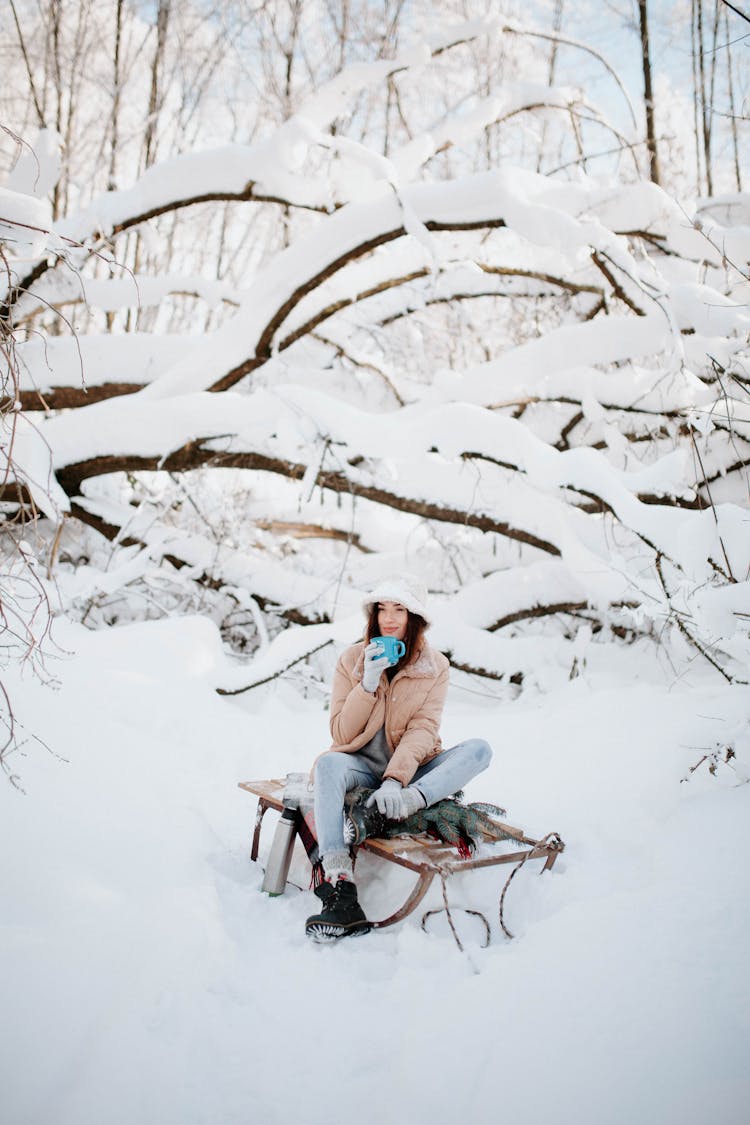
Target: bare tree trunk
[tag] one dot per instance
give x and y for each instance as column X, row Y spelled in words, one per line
column 295, row 15
column 387, row 49
column 75, row 71
column 696, row 93
column 705, row 102
column 115, row 120
column 709, row 114
column 556, row 27
column 342, row 9
column 56, row 20
column 29, row 69
column 114, row 131
column 732, row 108
column 150, row 138
column 162, row 24
column 648, row 95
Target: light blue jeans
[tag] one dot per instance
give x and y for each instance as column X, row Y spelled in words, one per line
column 336, row 773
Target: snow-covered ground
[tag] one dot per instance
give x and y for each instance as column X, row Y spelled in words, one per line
column 146, row 978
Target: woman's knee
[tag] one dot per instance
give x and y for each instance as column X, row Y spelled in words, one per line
column 330, row 768
column 482, row 752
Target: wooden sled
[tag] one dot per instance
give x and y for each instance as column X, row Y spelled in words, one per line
column 423, row 855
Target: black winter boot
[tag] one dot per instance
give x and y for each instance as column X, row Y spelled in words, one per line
column 341, row 916
column 359, row 821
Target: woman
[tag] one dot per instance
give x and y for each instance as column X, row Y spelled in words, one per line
column 385, row 722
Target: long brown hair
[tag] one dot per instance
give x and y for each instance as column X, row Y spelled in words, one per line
column 415, row 628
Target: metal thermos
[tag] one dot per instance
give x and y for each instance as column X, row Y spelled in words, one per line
column 280, row 856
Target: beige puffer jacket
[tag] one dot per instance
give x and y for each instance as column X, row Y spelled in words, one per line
column 409, row 707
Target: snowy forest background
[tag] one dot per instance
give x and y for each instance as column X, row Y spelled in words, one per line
column 300, row 293
column 430, row 293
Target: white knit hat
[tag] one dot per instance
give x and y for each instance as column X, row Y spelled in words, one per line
column 406, row 589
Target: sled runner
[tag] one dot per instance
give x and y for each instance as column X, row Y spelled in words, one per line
column 423, row 855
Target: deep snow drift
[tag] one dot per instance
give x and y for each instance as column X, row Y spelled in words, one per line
column 146, row 978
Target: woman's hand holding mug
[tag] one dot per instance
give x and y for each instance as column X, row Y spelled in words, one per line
column 391, row 647
column 376, row 663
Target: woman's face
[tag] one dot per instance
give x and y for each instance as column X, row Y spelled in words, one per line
column 392, row 620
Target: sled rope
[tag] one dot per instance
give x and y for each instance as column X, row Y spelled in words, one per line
column 445, row 909
column 550, row 838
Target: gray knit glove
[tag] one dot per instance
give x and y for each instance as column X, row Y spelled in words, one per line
column 394, row 802
column 376, row 663
column 387, row 798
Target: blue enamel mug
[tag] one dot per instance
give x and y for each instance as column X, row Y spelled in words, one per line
column 390, row 647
